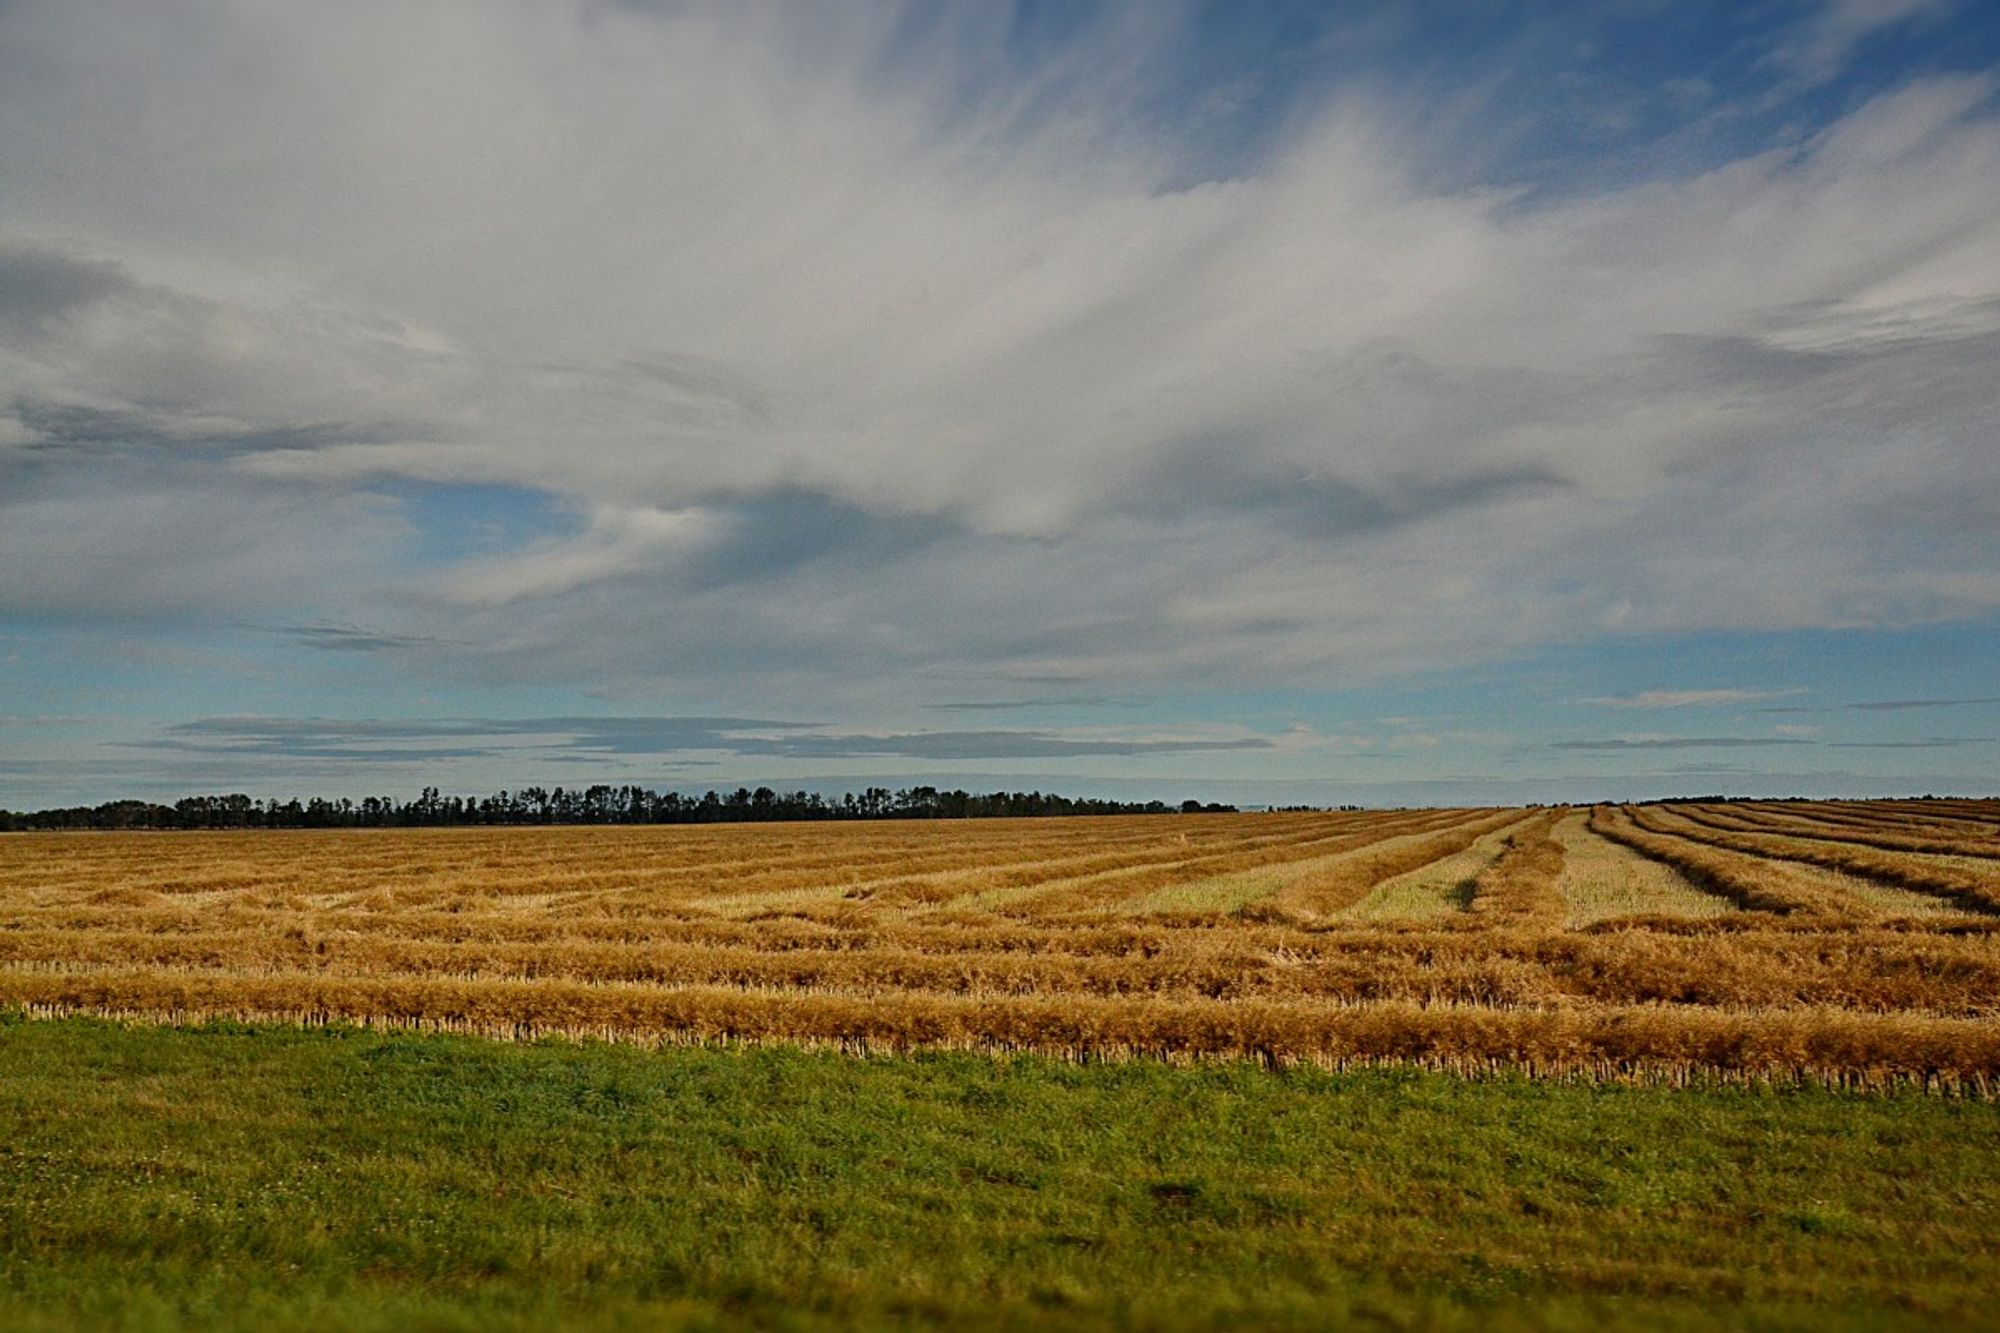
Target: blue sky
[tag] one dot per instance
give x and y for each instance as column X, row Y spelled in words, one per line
column 1275, row 402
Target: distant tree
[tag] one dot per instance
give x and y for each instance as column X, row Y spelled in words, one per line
column 599, row 804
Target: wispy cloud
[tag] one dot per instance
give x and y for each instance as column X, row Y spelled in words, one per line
column 927, row 362
column 1819, row 47
column 1900, row 705
column 1712, row 698
column 1680, row 743
column 1014, row 705
column 376, row 740
column 348, row 639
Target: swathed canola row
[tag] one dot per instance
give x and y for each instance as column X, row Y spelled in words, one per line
column 1844, row 942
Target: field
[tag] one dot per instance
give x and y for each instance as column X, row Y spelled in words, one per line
column 1851, row 944
column 900, row 1073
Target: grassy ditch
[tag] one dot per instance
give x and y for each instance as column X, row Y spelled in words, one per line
column 232, row 1177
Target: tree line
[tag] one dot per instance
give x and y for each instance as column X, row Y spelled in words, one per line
column 599, row 804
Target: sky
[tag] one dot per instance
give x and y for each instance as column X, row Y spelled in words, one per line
column 1269, row 402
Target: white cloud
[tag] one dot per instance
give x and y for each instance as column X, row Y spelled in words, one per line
column 1719, row 698
column 1820, row 47
column 1057, row 409
column 616, row 542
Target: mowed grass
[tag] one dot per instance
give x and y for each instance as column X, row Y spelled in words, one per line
column 236, row 1177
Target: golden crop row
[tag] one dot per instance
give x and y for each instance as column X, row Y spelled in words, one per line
column 1876, row 971
column 1831, row 940
column 1615, row 1041
column 1970, row 882
column 1896, row 837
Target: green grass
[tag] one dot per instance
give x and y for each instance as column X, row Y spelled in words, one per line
column 247, row 1178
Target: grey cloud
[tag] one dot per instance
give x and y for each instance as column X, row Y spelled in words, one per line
column 1831, row 332
column 1680, row 743
column 644, row 735
column 978, row 745
column 264, row 730
column 72, row 424
column 651, row 732
column 305, row 750
column 93, row 357
column 133, row 539
column 344, row 639
column 366, row 740
column 1882, row 368
column 40, row 287
column 768, row 534
column 375, row 740
column 1013, row 705
column 1212, row 475
column 50, row 782
column 711, row 381
column 1898, row 705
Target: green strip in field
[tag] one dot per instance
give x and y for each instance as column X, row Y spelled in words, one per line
column 1227, row 892
column 247, row 1178
column 1602, row 880
column 1442, row 888
column 1220, row 893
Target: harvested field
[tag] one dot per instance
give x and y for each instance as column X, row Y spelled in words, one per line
column 1846, row 942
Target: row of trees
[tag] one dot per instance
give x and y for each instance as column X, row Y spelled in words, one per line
column 583, row 805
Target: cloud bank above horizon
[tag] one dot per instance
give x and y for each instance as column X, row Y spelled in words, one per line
column 1133, row 364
